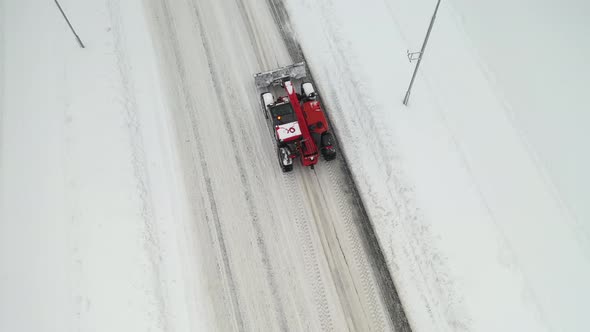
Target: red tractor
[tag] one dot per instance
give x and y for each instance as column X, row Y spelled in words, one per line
column 297, row 120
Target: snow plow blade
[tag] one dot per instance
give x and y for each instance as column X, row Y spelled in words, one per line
column 275, row 76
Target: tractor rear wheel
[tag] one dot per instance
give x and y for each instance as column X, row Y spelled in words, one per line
column 327, row 147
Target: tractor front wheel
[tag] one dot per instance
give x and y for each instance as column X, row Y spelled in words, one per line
column 285, row 160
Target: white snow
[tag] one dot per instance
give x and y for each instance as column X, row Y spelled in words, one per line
column 123, row 207
column 89, row 202
column 478, row 190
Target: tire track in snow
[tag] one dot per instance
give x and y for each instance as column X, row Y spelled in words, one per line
column 219, row 87
column 261, row 58
column 310, row 257
column 353, row 235
column 304, row 234
column 334, row 253
column 225, row 269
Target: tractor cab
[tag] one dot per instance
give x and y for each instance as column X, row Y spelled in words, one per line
column 284, row 120
column 282, row 114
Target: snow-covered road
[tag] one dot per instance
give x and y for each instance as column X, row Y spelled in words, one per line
column 285, row 250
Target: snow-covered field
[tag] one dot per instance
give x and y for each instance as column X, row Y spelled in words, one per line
column 89, row 195
column 478, row 190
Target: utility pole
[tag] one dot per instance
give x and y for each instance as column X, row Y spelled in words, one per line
column 412, row 56
column 70, row 25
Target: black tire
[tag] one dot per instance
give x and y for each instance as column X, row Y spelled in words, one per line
column 329, row 155
column 284, row 168
column 327, row 147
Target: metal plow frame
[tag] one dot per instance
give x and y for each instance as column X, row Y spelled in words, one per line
column 275, row 76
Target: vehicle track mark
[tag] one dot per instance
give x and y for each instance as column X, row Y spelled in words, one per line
column 220, row 84
column 225, row 269
column 334, row 252
column 310, row 256
column 252, row 34
column 353, row 235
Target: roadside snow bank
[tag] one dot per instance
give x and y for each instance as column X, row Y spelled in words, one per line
column 475, row 234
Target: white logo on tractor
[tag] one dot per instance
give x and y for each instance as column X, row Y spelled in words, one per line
column 288, row 130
